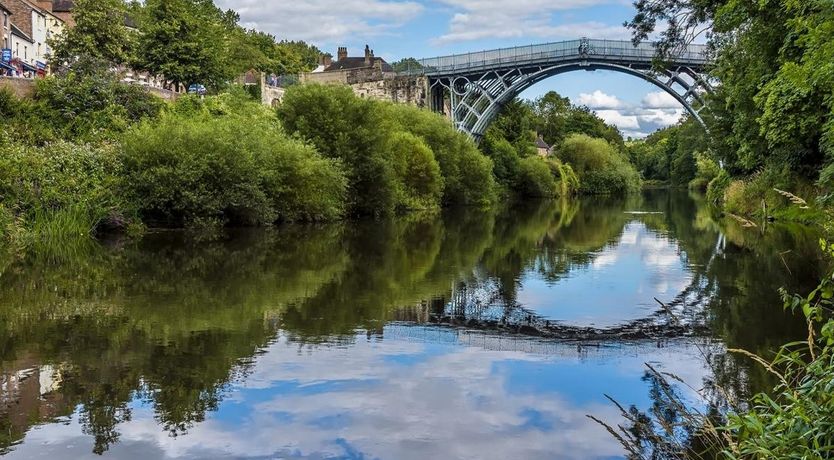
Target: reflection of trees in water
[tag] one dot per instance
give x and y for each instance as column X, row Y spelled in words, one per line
column 166, row 320
column 174, row 321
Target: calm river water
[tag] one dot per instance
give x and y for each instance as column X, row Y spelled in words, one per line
column 471, row 334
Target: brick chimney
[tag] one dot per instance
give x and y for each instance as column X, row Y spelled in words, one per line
column 326, row 60
column 369, row 56
column 342, row 53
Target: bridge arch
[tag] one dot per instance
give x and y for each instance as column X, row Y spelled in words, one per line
column 472, row 88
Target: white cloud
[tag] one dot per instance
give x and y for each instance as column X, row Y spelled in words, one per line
column 619, row 119
column 657, row 110
column 660, row 100
column 328, row 21
column 661, row 117
column 477, row 19
column 599, row 100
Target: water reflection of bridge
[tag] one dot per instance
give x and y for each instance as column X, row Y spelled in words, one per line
column 477, row 305
column 439, row 334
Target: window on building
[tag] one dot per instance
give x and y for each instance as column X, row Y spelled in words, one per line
column 25, row 53
column 5, row 19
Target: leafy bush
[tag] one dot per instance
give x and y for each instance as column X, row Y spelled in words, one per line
column 505, row 160
column 600, row 167
column 233, row 169
column 359, row 132
column 86, row 101
column 568, row 181
column 716, row 188
column 535, row 179
column 761, row 193
column 350, row 129
column 706, row 170
column 420, row 185
column 467, row 173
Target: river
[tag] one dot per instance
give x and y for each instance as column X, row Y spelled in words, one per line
column 465, row 334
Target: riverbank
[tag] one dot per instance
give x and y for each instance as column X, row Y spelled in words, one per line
column 126, row 161
column 132, row 161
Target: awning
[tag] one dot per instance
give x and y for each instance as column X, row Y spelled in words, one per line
column 5, row 66
column 28, row 67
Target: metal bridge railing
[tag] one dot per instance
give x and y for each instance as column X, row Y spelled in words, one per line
column 612, row 50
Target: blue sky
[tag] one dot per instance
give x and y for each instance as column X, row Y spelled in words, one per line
column 424, row 28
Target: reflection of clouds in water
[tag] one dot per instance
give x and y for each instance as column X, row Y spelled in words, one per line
column 617, row 287
column 604, row 260
column 629, row 236
column 397, row 399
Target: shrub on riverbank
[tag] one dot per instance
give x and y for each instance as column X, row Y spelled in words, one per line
column 59, row 192
column 420, row 185
column 85, row 102
column 467, row 173
column 771, row 192
column 535, row 179
column 600, row 167
column 706, row 169
column 211, row 164
column 359, row 132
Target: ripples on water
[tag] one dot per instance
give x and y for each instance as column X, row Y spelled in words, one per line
column 475, row 334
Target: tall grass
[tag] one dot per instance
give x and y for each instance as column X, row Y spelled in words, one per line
column 60, row 233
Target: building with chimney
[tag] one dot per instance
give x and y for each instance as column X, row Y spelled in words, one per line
column 349, row 69
column 368, row 61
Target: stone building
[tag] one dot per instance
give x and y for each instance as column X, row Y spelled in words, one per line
column 349, row 69
column 542, row 149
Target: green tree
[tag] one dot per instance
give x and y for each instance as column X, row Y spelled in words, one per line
column 775, row 104
column 186, row 41
column 99, row 33
column 407, row 65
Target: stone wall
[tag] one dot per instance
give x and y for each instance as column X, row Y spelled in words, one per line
column 271, row 95
column 166, row 94
column 20, row 87
column 372, row 83
column 399, row 89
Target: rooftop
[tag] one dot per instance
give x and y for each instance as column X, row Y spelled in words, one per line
column 357, row 63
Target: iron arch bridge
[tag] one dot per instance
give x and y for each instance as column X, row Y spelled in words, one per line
column 471, row 88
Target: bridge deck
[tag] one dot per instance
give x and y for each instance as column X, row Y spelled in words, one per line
column 616, row 51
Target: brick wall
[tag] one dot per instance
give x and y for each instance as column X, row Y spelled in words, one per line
column 21, row 15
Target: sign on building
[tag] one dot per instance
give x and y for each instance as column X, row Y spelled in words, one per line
column 7, row 55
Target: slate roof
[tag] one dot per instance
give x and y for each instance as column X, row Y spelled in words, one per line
column 351, row 63
column 62, row 6
column 540, row 143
